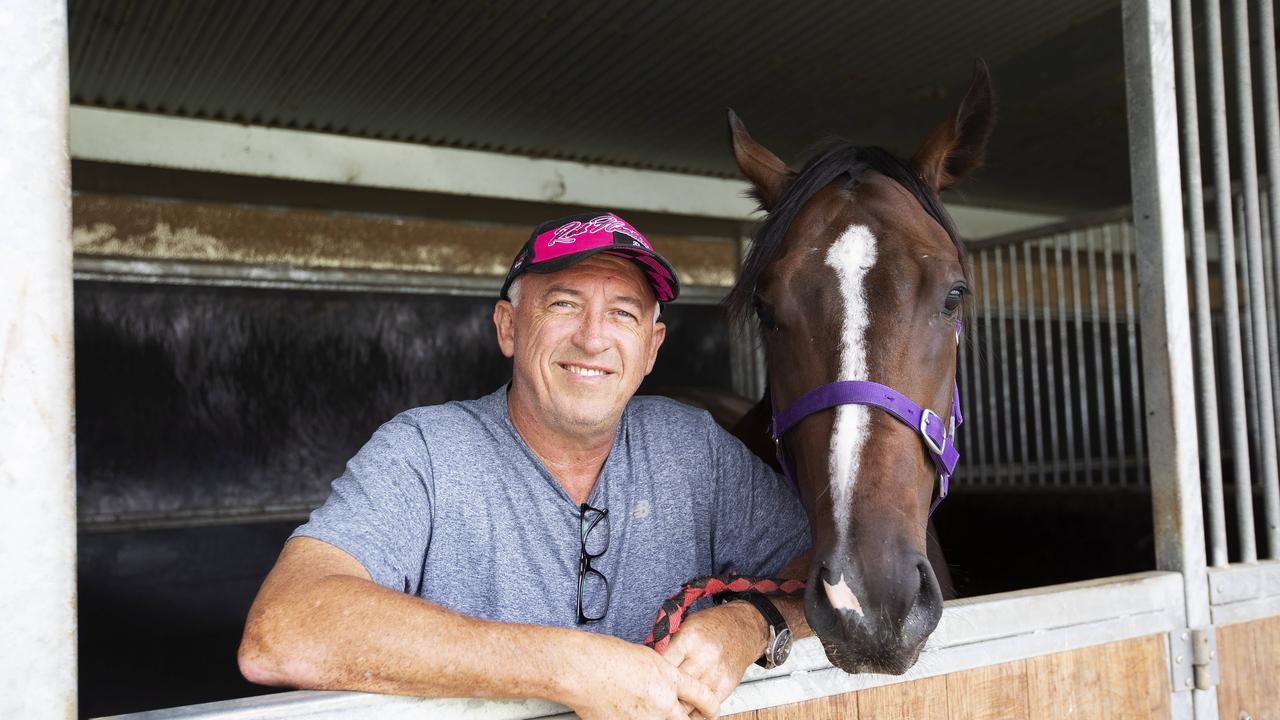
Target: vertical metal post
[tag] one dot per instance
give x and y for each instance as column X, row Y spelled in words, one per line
column 1257, row 293
column 1006, row 415
column 1131, row 332
column 1227, row 277
column 37, row 451
column 1273, row 297
column 978, row 360
column 1246, row 325
column 1117, row 402
column 990, row 429
column 1095, row 332
column 1166, row 329
column 1033, row 342
column 1082, row 395
column 1068, row 397
column 1271, row 129
column 1050, row 376
column 1206, row 385
column 1020, row 393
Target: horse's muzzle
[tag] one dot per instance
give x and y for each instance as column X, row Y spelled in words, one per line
column 873, row 622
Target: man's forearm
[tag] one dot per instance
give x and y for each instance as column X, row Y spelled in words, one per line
column 319, row 622
column 344, row 632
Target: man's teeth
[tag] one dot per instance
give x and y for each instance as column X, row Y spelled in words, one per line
column 584, row 371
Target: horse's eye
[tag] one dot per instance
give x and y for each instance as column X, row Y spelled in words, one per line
column 765, row 314
column 952, row 303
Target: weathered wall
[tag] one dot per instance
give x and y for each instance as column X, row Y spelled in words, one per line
column 149, row 229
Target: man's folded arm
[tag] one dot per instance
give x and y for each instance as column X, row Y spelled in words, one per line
column 319, row 622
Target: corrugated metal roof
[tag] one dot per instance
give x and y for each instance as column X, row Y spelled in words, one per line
column 641, row 84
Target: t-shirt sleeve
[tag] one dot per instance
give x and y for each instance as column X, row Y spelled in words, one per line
column 759, row 523
column 379, row 509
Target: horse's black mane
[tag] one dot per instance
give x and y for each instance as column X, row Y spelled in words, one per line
column 831, row 161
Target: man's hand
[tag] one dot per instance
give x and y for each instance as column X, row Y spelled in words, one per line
column 619, row 679
column 717, row 645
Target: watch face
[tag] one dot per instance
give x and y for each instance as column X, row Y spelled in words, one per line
column 782, row 647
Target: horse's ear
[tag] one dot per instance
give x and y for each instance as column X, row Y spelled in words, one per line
column 767, row 173
column 958, row 144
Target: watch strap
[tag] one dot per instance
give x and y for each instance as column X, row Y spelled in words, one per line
column 777, row 623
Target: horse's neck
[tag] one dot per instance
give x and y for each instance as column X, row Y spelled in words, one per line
column 753, row 430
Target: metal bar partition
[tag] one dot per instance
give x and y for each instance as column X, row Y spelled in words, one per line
column 1166, row 332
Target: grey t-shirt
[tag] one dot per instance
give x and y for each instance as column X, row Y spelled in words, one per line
column 448, row 503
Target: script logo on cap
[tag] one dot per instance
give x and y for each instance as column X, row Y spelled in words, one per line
column 570, row 232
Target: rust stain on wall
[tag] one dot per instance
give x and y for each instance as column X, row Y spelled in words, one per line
column 143, row 228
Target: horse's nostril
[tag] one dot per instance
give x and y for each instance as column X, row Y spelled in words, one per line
column 927, row 581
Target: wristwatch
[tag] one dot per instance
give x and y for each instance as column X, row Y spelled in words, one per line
column 779, row 645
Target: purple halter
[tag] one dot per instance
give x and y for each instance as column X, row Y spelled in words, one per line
column 937, row 435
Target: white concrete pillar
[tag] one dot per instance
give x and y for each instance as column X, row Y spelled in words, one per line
column 37, row 450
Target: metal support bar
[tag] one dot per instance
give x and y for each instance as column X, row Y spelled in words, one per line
column 1227, row 276
column 1206, row 386
column 1166, row 329
column 37, row 449
column 1068, row 442
column 1271, row 128
column 1257, row 293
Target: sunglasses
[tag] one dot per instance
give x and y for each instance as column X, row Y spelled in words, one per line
column 593, row 586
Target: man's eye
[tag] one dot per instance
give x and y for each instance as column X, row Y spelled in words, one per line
column 626, row 315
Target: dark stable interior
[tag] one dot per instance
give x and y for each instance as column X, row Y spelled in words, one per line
column 199, row 405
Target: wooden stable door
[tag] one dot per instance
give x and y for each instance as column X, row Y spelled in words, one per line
column 1127, row 679
column 1249, row 670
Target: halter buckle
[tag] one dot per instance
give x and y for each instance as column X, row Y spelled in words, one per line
column 924, row 431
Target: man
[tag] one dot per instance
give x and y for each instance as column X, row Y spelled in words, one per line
column 468, row 546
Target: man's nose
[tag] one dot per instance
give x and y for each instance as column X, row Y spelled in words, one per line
column 591, row 337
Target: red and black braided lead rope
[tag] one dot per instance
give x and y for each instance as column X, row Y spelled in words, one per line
column 671, row 614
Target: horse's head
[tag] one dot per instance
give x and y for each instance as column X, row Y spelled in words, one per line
column 857, row 274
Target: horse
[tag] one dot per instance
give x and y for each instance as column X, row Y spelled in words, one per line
column 857, row 274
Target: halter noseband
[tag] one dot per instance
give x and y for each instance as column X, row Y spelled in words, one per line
column 938, row 436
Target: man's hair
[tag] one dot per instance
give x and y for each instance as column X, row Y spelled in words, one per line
column 513, row 292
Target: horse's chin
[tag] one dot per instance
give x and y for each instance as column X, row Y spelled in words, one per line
column 896, row 664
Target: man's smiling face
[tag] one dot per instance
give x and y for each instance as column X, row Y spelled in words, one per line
column 581, row 340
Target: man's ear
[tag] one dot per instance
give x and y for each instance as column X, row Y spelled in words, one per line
column 958, row 145
column 655, row 342
column 504, row 323
column 769, row 176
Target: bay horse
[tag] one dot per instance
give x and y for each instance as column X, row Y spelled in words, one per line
column 857, row 274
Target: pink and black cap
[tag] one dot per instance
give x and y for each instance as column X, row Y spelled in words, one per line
column 558, row 244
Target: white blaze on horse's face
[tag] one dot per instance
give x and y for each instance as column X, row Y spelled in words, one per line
column 852, row 256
